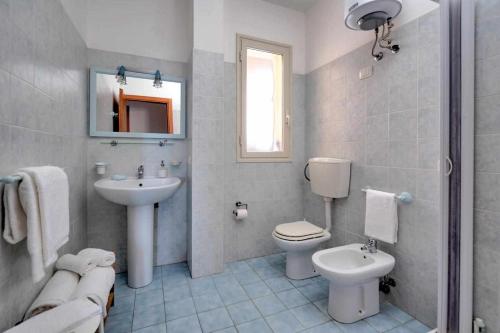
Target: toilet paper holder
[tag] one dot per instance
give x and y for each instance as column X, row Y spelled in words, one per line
column 239, row 204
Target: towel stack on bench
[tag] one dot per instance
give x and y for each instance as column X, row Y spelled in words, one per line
column 89, row 274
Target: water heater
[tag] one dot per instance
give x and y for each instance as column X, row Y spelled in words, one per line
column 370, row 14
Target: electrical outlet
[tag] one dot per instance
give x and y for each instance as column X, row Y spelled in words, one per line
column 366, row 72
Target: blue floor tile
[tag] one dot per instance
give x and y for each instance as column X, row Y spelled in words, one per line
column 148, row 298
column 160, row 328
column 177, row 309
column 176, row 293
column 257, row 289
column 357, row 327
column 322, row 305
column 400, row 329
column 243, row 312
column 123, row 290
column 269, row 305
column 329, row 327
column 238, row 266
column 256, row 263
column 382, row 322
column 227, row 330
column 207, row 302
column 214, row 320
column 123, row 305
column 232, row 294
column 292, row 298
column 416, row 326
column 314, row 292
column 121, row 323
column 256, row 326
column 148, row 316
column 395, row 313
column 279, row 284
column 184, row 325
column 156, row 284
column 309, row 315
column 300, row 283
column 202, row 285
column 248, row 277
column 284, row 322
column 268, row 272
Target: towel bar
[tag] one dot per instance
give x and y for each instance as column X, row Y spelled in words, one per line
column 404, row 197
column 10, row 179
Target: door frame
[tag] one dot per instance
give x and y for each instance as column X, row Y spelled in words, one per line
column 455, row 299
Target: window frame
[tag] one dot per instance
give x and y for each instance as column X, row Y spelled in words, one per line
column 243, row 43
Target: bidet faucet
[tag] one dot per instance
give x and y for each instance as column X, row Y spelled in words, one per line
column 370, row 246
column 140, row 172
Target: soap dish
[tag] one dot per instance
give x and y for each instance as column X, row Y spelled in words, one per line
column 175, row 163
column 118, row 177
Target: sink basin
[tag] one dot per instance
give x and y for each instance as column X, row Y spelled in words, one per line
column 139, row 195
column 137, row 192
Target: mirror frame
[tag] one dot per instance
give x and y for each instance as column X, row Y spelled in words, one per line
column 93, row 107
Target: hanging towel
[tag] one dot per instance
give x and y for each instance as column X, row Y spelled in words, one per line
column 77, row 264
column 78, row 316
column 52, row 201
column 29, row 201
column 14, row 218
column 381, row 220
column 95, row 285
column 57, row 291
column 101, row 258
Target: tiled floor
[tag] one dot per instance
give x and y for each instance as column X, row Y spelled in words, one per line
column 251, row 296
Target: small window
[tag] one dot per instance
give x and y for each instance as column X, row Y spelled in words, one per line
column 264, row 93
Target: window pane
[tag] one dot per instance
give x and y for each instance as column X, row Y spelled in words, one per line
column 264, row 102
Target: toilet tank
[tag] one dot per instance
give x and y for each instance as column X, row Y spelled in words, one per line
column 330, row 176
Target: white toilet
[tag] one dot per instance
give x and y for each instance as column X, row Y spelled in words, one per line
column 329, row 178
column 354, row 275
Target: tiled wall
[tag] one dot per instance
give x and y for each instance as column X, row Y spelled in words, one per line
column 487, row 166
column 388, row 125
column 107, row 222
column 207, row 164
column 273, row 191
column 43, row 120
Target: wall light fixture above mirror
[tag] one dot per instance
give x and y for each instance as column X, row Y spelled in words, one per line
column 133, row 104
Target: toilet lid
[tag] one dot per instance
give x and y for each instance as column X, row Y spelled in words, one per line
column 298, row 229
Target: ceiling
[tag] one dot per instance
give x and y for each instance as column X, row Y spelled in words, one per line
column 300, row 5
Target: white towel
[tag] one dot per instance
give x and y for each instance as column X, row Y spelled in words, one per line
column 381, row 220
column 77, row 264
column 57, row 291
column 95, row 285
column 52, row 198
column 29, row 201
column 14, row 217
column 78, row 316
column 101, row 258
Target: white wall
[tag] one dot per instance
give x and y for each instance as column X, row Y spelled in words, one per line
column 77, row 12
column 327, row 38
column 208, row 17
column 264, row 20
column 151, row 28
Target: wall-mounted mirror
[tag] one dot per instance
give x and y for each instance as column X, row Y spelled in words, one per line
column 135, row 105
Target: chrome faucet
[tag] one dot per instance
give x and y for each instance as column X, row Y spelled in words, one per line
column 140, row 172
column 370, row 246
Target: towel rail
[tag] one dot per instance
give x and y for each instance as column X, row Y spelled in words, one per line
column 404, row 197
column 10, row 179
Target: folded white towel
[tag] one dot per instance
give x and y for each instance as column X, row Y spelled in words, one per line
column 381, row 220
column 53, row 203
column 101, row 258
column 77, row 316
column 57, row 291
column 77, row 264
column 95, row 285
column 29, row 201
column 14, row 216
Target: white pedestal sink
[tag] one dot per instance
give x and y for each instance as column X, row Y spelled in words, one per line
column 139, row 195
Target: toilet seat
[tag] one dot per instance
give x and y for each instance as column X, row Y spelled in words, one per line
column 298, row 231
